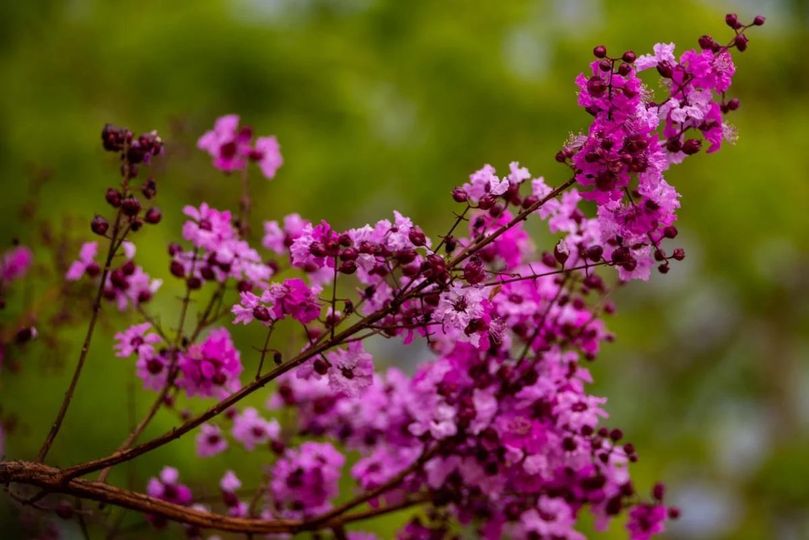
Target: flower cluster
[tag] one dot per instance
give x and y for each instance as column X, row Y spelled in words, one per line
column 212, row 367
column 305, row 479
column 231, row 147
column 218, row 252
column 496, row 428
column 126, row 285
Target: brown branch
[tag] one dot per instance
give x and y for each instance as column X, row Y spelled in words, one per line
column 85, row 348
column 51, row 480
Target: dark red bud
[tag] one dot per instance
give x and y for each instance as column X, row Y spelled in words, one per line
column 130, row 206
column 99, row 225
column 113, row 197
column 153, row 216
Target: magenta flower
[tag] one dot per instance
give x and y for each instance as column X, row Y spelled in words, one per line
column 250, row 429
column 133, row 338
column 305, row 479
column 15, row 263
column 230, row 484
column 208, row 227
column 152, row 367
column 227, row 143
column 167, row 487
column 210, row 441
column 231, row 147
column 459, row 311
column 293, row 297
column 85, row 264
column 646, row 520
column 267, row 153
column 351, row 370
column 211, row 368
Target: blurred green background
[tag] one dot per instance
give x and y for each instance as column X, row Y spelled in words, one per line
column 382, row 105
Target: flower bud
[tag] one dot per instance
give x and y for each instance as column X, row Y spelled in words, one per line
column 459, row 195
column 706, row 42
column 600, row 51
column 596, row 86
column 130, row 206
column 113, row 197
column 741, row 42
column 261, row 313
column 153, row 215
column 759, row 20
column 629, row 57
column 692, row 146
column 99, row 225
column 149, row 188
column 177, row 270
column 348, row 267
column 417, row 236
column 732, row 20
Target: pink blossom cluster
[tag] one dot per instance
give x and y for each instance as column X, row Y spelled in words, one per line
column 231, row 147
column 127, row 285
column 305, row 480
column 210, row 368
column 218, row 252
column 496, row 429
column 634, row 139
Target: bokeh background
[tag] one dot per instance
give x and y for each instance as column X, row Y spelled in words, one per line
column 388, row 104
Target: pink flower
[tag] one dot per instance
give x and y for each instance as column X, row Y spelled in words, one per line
column 211, row 368
column 15, row 263
column 152, row 367
column 305, row 479
column 130, row 340
column 459, row 311
column 553, row 518
column 227, row 144
column 646, row 520
column 85, row 264
column 268, row 155
column 485, row 182
column 293, row 297
column 351, row 370
column 250, row 429
column 230, row 484
column 208, row 228
column 230, row 146
column 663, row 53
column 167, row 487
column 210, row 441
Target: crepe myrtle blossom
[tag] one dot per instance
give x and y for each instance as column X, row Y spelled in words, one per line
column 210, row 441
column 349, row 371
column 293, row 297
column 496, row 430
column 461, row 312
column 15, row 263
column 305, row 479
column 210, row 368
column 229, row 485
column 152, row 367
column 133, row 338
column 127, row 285
column 166, row 486
column 250, row 429
column 231, row 147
